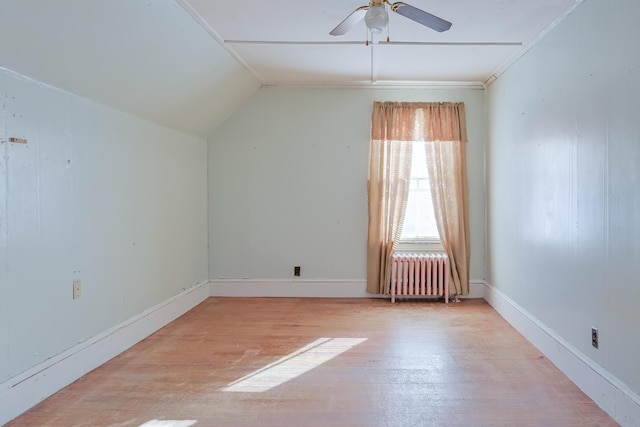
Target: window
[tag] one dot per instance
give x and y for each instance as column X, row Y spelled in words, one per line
column 419, row 221
column 395, row 126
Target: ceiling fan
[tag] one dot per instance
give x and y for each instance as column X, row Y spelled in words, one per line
column 376, row 17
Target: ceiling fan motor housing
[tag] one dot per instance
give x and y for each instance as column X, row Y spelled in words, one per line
column 376, row 19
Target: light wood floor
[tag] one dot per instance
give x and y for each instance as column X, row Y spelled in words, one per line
column 418, row 363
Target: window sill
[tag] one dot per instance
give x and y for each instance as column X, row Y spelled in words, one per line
column 432, row 246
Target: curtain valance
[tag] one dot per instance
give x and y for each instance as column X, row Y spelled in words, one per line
column 441, row 121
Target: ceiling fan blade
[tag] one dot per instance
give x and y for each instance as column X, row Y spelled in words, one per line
column 350, row 21
column 421, row 17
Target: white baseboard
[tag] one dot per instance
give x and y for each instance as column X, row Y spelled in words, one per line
column 314, row 288
column 608, row 392
column 31, row 387
column 476, row 289
column 310, row 288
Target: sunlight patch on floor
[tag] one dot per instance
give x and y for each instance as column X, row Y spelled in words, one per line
column 293, row 365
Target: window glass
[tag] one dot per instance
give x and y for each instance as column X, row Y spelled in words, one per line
column 419, row 221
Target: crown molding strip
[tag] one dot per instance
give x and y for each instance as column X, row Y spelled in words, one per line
column 382, row 85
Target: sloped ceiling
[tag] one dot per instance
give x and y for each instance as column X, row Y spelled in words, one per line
column 148, row 58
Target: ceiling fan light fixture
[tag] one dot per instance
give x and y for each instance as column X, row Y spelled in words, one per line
column 376, row 19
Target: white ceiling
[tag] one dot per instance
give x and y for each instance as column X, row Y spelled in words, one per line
column 190, row 64
column 287, row 41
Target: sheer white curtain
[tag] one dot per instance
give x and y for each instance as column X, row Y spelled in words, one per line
column 443, row 127
column 449, row 193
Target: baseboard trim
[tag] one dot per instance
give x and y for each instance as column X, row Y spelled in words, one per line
column 608, row 392
column 308, row 288
column 282, row 288
column 476, row 289
column 27, row 389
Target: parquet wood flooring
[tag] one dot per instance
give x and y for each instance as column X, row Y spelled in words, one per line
column 415, row 363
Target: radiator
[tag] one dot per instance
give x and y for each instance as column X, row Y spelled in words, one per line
column 420, row 274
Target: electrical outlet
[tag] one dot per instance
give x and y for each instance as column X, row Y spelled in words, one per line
column 77, row 289
column 296, row 270
column 594, row 337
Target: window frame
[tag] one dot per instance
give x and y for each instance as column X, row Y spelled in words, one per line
column 420, row 245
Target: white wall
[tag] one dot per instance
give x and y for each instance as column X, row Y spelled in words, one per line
column 563, row 183
column 96, row 195
column 288, row 182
